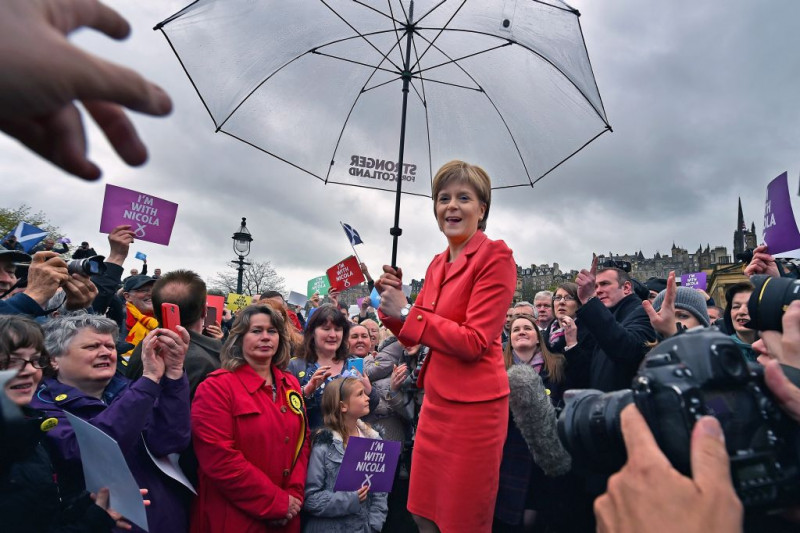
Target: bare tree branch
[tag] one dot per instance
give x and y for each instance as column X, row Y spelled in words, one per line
column 258, row 278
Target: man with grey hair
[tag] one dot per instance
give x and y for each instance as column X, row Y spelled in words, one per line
column 523, row 308
column 543, row 303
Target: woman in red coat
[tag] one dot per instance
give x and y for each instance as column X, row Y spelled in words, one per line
column 459, row 314
column 250, row 433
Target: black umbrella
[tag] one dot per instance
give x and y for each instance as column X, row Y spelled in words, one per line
column 331, row 86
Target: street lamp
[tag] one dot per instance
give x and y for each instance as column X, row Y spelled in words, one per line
column 241, row 247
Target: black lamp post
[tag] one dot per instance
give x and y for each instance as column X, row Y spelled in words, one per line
column 241, row 246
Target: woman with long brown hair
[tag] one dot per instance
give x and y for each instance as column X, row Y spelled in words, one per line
column 250, row 433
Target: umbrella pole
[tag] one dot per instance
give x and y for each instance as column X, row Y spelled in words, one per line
column 396, row 231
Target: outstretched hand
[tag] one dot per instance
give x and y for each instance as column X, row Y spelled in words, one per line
column 663, row 320
column 44, row 74
column 586, row 281
column 762, row 263
column 648, row 494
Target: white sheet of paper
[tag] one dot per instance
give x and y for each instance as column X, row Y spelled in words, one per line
column 105, row 466
column 295, row 298
column 169, row 465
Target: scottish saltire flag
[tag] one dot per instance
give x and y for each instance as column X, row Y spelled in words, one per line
column 352, row 234
column 27, row 235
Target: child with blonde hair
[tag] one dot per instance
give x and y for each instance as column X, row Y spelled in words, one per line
column 344, row 402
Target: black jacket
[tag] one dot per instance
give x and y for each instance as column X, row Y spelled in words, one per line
column 30, row 501
column 622, row 334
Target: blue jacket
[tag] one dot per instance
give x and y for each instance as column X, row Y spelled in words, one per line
column 132, row 413
column 21, row 304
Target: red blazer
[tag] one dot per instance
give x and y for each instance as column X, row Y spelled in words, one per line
column 245, row 445
column 459, row 315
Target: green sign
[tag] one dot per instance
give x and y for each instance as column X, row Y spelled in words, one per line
column 320, row 285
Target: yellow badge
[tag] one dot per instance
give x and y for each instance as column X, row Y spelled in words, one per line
column 301, row 374
column 61, row 397
column 48, row 424
column 295, row 402
column 547, row 391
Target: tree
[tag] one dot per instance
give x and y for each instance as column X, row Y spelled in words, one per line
column 11, row 217
column 258, row 278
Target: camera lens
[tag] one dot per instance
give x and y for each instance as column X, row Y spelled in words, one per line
column 589, row 427
column 727, row 362
column 88, row 266
column 769, row 301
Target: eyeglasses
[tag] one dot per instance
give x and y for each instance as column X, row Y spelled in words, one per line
column 17, row 363
column 567, row 298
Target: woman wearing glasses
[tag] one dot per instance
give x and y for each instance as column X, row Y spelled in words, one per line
column 29, row 495
column 566, row 337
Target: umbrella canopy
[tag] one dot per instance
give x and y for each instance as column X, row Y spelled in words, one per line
column 350, row 91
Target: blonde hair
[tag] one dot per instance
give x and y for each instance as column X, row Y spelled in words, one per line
column 336, row 392
column 553, row 362
column 461, row 172
column 232, row 355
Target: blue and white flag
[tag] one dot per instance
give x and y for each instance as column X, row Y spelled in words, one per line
column 352, row 234
column 27, row 235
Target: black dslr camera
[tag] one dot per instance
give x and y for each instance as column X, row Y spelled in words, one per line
column 700, row 372
column 88, row 266
column 769, row 301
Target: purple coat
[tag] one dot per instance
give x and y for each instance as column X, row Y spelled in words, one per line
column 132, row 413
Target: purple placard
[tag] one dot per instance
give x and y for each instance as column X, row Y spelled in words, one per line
column 780, row 227
column 695, row 280
column 368, row 462
column 150, row 218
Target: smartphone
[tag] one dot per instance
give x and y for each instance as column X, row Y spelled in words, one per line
column 170, row 317
column 211, row 317
column 357, row 363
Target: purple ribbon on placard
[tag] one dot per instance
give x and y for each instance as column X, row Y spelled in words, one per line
column 780, row 227
column 368, row 462
column 150, row 218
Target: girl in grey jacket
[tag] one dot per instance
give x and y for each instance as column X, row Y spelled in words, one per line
column 343, row 404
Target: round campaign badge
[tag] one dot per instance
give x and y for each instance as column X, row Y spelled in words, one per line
column 48, row 424
column 61, row 397
column 295, row 402
column 301, row 374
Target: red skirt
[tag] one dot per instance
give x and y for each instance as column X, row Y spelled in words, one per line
column 455, row 467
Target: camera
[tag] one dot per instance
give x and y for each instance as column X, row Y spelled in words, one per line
column 622, row 265
column 88, row 266
column 769, row 301
column 700, row 372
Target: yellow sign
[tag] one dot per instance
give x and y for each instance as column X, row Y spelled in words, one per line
column 238, row 301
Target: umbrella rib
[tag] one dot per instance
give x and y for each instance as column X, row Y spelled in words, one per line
column 191, row 80
column 425, row 107
column 499, row 114
column 531, row 50
column 378, row 67
column 359, row 34
column 431, row 10
column 478, row 90
column 367, row 89
column 509, row 43
column 376, row 10
column 276, row 156
column 394, row 24
column 607, row 128
column 441, row 30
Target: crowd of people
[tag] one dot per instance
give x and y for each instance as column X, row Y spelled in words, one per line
column 258, row 407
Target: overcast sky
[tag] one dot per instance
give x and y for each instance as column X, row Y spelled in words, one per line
column 702, row 97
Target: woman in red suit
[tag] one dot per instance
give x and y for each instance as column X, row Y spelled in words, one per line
column 459, row 314
column 250, row 433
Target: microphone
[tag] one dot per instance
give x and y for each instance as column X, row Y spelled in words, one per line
column 536, row 417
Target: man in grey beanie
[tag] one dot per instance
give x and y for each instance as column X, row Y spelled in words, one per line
column 677, row 305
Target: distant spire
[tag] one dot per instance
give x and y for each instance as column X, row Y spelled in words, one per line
column 753, row 227
column 740, row 224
